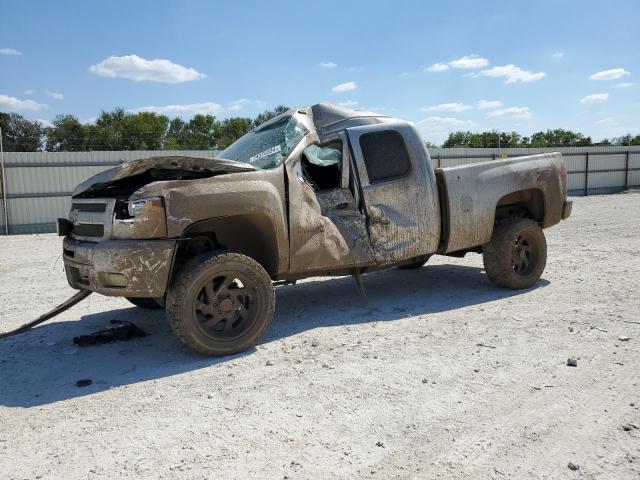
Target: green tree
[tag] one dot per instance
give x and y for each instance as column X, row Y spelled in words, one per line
column 484, row 140
column 67, row 135
column 200, row 133
column 559, row 138
column 143, row 131
column 627, row 139
column 232, row 129
column 20, row 134
column 268, row 115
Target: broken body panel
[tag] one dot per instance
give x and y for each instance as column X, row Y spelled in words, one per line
column 374, row 202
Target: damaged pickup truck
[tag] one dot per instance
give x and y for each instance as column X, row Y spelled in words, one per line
column 316, row 191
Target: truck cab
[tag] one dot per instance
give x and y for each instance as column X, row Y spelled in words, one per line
column 316, row 191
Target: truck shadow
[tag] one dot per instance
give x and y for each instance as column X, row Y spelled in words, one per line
column 42, row 366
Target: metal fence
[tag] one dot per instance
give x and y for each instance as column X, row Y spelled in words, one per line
column 39, row 185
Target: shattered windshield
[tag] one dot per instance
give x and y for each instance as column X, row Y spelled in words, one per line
column 267, row 146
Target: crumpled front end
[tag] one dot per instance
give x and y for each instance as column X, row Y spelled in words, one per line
column 116, row 243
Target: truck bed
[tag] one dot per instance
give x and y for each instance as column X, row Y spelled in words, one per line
column 470, row 195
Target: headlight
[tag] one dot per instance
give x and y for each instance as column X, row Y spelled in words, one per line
column 135, row 206
column 146, row 219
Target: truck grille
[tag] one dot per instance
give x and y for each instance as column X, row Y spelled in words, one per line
column 91, row 218
column 89, row 207
column 88, row 230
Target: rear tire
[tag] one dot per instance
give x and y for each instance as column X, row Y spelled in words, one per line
column 146, row 303
column 414, row 265
column 221, row 303
column 517, row 253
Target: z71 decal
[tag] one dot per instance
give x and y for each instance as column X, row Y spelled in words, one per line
column 266, row 153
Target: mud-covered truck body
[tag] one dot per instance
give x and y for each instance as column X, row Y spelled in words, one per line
column 313, row 192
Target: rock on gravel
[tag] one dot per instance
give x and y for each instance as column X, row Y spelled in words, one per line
column 572, row 362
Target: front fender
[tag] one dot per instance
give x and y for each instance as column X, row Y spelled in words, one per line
column 257, row 194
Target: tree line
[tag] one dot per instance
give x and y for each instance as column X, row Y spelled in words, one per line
column 550, row 138
column 121, row 130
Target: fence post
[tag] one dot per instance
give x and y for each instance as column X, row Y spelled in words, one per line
column 586, row 174
column 626, row 172
column 4, row 187
column 440, row 161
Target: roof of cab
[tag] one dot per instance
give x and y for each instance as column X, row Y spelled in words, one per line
column 328, row 117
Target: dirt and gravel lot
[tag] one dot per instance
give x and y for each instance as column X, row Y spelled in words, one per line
column 394, row 385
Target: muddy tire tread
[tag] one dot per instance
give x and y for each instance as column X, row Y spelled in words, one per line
column 178, row 292
column 496, row 252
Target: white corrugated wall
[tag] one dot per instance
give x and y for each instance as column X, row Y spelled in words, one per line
column 39, row 184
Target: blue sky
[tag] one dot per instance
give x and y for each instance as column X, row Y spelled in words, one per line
column 510, row 65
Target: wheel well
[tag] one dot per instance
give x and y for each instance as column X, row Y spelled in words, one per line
column 522, row 204
column 250, row 235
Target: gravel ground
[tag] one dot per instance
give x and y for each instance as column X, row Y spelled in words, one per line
column 435, row 374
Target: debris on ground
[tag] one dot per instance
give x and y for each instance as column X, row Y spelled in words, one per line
column 379, row 444
column 484, row 345
column 624, row 338
column 85, row 382
column 572, row 362
column 627, row 427
column 573, row 466
column 315, row 342
column 122, row 331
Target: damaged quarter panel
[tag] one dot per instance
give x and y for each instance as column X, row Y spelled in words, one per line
column 475, row 191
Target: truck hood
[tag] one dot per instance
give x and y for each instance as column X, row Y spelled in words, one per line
column 128, row 177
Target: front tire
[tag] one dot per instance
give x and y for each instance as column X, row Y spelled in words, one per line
column 221, row 303
column 517, row 253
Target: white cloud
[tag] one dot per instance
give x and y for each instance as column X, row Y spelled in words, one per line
column 140, row 69
column 558, row 55
column 607, row 121
column 14, row 104
column 448, row 107
column 348, row 103
column 438, row 67
column 445, row 123
column 345, row 87
column 488, row 104
column 236, row 105
column 9, row 51
column 595, row 98
column 511, row 112
column 436, row 129
column 469, row 61
column 611, row 74
column 203, row 108
column 55, row 95
column 625, row 84
column 44, row 123
column 31, row 91
column 512, row 74
column 328, row 64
